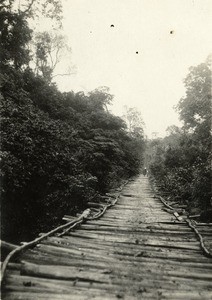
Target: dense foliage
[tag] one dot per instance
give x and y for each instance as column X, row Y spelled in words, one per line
column 57, row 149
column 181, row 161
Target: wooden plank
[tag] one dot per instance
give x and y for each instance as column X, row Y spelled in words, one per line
column 151, row 280
column 112, row 257
column 51, row 296
column 62, row 272
column 100, row 263
column 135, row 251
column 127, row 248
column 114, row 227
column 121, row 237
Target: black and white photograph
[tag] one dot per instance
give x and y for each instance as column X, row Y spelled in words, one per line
column 106, row 149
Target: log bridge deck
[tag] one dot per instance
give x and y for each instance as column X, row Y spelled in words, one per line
column 136, row 250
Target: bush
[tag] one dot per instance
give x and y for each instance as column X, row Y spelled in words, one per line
column 56, row 156
column 180, row 163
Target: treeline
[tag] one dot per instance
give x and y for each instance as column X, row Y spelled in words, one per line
column 57, row 149
column 181, row 162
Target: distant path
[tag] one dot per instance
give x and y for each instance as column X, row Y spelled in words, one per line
column 135, row 251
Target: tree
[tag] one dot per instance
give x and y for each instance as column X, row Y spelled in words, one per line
column 135, row 130
column 14, row 38
column 57, row 149
column 100, row 97
column 134, row 122
column 183, row 166
column 49, row 49
column 17, row 38
column 15, row 32
column 51, row 9
column 195, row 107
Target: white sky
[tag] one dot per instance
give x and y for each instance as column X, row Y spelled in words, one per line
column 152, row 79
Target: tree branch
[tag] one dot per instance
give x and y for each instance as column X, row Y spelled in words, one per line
column 65, row 74
column 56, row 58
column 52, row 67
column 28, row 8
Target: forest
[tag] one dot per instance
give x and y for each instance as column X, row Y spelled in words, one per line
column 60, row 149
column 181, row 162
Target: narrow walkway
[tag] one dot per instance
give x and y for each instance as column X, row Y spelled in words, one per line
column 135, row 251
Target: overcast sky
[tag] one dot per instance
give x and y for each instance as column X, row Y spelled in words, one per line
column 150, row 79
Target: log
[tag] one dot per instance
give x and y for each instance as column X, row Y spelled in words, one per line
column 62, row 272
column 94, row 204
column 66, row 219
column 178, row 216
column 100, row 263
column 70, row 217
column 134, row 245
column 36, row 241
column 97, row 276
column 48, row 296
column 5, row 246
column 194, row 216
column 55, row 285
column 188, row 295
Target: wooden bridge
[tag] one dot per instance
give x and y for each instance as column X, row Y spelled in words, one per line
column 136, row 250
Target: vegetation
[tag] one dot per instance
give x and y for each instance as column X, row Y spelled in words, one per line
column 57, row 149
column 180, row 162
